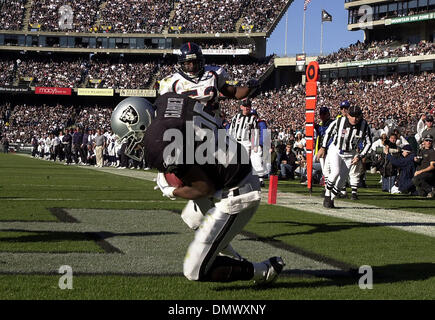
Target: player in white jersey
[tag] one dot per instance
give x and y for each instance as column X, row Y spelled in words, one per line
column 47, row 148
column 202, row 83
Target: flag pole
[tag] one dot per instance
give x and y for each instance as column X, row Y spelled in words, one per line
column 321, row 39
column 303, row 35
column 286, row 28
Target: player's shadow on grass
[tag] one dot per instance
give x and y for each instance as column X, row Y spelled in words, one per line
column 335, row 227
column 56, row 236
column 392, row 273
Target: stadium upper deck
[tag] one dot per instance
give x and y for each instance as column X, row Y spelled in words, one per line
column 406, row 20
column 399, row 39
column 147, row 26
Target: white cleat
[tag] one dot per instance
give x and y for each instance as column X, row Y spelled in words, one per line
column 274, row 267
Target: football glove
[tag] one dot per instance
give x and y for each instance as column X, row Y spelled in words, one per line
column 163, row 185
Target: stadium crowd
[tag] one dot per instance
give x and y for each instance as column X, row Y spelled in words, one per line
column 407, row 98
column 377, row 50
column 136, row 16
column 11, row 14
column 125, row 75
column 45, row 14
column 7, row 71
column 26, row 120
column 73, row 72
column 151, row 16
column 69, row 134
column 195, row 16
column 242, row 72
column 260, row 14
column 52, row 71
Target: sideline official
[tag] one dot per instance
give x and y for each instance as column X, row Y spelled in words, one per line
column 346, row 134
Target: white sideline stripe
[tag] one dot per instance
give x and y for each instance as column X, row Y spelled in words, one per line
column 354, row 211
column 52, row 185
column 408, row 221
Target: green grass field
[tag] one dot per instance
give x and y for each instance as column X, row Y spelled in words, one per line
column 117, row 230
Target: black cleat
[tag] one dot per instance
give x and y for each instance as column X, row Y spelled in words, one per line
column 354, row 196
column 328, row 203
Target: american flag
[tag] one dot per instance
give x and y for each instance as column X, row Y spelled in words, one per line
column 306, row 4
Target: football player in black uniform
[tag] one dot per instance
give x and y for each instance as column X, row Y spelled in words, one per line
column 183, row 139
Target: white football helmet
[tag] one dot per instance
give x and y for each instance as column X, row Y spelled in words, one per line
column 129, row 121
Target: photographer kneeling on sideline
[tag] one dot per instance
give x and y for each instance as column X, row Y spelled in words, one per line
column 424, row 177
column 406, row 166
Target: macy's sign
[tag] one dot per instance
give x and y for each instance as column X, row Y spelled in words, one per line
column 56, row 91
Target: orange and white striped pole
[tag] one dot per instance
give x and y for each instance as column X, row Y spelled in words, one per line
column 312, row 74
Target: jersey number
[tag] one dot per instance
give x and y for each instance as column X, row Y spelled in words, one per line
column 207, row 92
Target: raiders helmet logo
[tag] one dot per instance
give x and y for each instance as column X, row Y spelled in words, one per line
column 129, row 115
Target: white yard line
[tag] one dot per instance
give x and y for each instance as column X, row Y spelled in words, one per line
column 359, row 212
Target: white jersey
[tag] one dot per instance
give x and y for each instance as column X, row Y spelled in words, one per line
column 47, row 147
column 111, row 145
column 204, row 89
column 56, row 141
column 41, row 145
column 117, row 147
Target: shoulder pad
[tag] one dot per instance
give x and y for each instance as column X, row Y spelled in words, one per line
column 222, row 75
column 166, row 84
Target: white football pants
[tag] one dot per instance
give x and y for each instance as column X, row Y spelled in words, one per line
column 220, row 225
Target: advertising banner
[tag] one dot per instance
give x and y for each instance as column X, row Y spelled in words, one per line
column 13, row 89
column 137, row 93
column 53, row 91
column 370, row 62
column 414, row 18
column 95, row 92
column 216, row 52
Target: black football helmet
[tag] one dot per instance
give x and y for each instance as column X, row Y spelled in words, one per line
column 191, row 52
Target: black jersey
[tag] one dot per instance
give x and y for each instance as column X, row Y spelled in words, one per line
column 184, row 134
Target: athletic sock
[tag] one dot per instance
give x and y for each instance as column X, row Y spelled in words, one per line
column 334, row 193
column 354, row 189
column 328, row 188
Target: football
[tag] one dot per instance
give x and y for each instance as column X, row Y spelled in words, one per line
column 173, row 180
